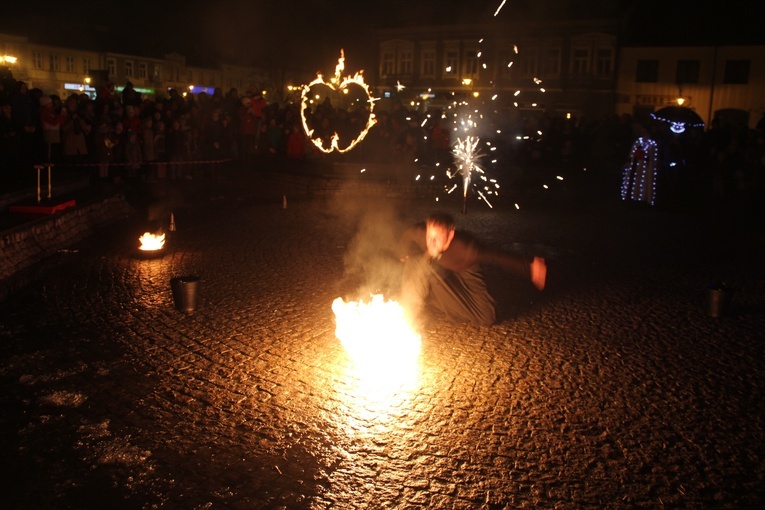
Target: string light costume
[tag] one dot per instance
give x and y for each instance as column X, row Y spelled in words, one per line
column 639, row 179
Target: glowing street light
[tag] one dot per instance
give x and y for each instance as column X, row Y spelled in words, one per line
column 7, row 59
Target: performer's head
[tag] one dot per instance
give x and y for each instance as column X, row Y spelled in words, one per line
column 439, row 233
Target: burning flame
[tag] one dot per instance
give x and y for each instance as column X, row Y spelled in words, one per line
column 375, row 333
column 338, row 83
column 384, row 350
column 151, row 242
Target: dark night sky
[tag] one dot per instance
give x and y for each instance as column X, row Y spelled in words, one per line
column 302, row 32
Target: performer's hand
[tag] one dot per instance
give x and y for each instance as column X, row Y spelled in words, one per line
column 538, row 272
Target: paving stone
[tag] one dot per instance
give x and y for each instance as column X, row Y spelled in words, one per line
column 611, row 388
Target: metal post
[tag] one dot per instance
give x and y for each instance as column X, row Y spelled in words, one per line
column 38, row 167
column 49, row 183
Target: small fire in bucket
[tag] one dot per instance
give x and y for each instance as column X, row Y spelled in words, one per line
column 151, row 242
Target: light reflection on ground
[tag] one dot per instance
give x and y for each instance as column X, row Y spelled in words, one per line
column 383, row 371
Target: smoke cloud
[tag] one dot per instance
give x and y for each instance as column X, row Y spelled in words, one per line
column 371, row 264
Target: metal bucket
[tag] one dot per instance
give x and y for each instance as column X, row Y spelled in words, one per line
column 719, row 298
column 185, row 292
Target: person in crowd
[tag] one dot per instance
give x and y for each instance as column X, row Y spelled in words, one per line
column 174, row 146
column 25, row 122
column 130, row 97
column 51, row 118
column 131, row 120
column 118, row 141
column 149, row 156
column 443, row 268
column 249, row 129
column 75, row 133
column 274, row 135
column 8, row 147
column 258, row 105
column 102, row 150
column 213, row 142
column 160, row 148
column 133, row 155
column 296, row 143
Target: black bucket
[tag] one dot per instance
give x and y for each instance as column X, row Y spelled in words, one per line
column 719, row 297
column 185, row 292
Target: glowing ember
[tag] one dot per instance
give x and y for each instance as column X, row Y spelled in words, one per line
column 375, row 333
column 151, row 242
column 337, row 83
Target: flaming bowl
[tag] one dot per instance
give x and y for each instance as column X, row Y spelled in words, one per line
column 151, row 246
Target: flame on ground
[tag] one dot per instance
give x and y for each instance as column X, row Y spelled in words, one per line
column 383, row 347
column 151, row 242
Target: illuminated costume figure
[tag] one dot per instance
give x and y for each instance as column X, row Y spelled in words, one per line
column 443, row 267
column 639, row 180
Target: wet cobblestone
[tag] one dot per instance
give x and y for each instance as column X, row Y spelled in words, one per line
column 610, row 389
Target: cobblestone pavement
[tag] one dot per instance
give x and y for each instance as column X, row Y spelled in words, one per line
column 613, row 388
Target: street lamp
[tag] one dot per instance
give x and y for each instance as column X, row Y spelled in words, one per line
column 7, row 59
column 680, row 99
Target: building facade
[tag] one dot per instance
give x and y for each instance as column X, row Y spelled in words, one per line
column 532, row 68
column 717, row 82
column 62, row 71
column 576, row 68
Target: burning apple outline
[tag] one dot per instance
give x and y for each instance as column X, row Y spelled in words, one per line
column 336, row 84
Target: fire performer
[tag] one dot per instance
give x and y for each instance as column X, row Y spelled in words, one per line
column 442, row 267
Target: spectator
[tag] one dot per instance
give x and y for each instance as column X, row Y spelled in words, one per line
column 130, row 97
column 147, row 150
column 75, row 134
column 213, row 144
column 51, row 118
column 8, row 147
column 296, row 143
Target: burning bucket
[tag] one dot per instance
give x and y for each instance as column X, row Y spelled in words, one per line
column 185, row 292
column 151, row 245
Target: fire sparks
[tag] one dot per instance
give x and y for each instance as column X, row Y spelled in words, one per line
column 337, row 83
column 467, row 156
column 151, row 242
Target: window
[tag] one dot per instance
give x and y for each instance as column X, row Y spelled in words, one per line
column 190, row 75
column 128, row 69
column 580, row 61
column 37, row 56
column 53, row 62
column 551, row 65
column 506, row 59
column 451, row 63
column 86, row 65
column 604, row 62
column 470, row 69
column 529, row 63
column 687, row 71
column 70, row 67
column 405, row 62
column 157, row 73
column 388, row 63
column 736, row 72
column 428, row 63
column 111, row 66
column 143, row 71
column 647, row 71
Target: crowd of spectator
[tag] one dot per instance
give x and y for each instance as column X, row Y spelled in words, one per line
column 122, row 137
